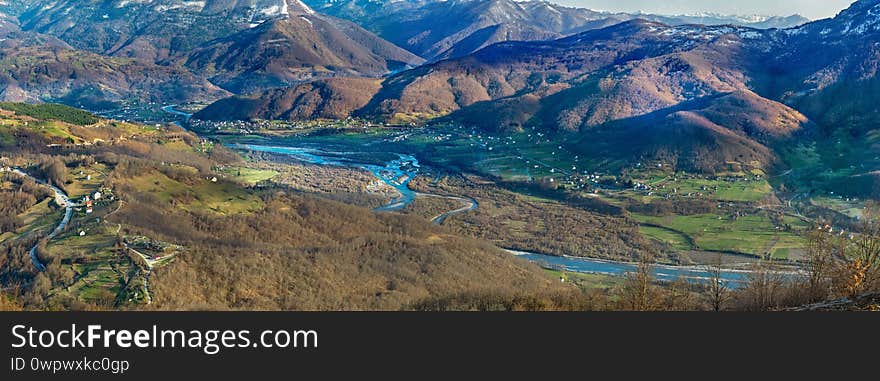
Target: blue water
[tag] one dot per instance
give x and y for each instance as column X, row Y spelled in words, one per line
column 397, row 173
column 171, row 110
column 731, row 278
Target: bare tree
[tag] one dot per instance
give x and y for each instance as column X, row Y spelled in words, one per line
column 55, row 171
column 718, row 291
column 820, row 262
column 763, row 288
column 679, row 296
column 639, row 292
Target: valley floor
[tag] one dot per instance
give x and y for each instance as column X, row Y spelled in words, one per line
column 531, row 193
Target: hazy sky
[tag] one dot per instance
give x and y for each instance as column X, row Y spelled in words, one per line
column 814, row 9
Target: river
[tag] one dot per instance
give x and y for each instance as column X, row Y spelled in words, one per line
column 402, row 168
column 171, row 110
column 732, row 278
column 397, row 173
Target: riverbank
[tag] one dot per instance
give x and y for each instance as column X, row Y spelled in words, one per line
column 732, row 277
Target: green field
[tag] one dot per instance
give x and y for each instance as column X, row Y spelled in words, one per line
column 50, row 111
column 218, row 197
column 100, row 274
column 674, row 239
column 249, row 176
column 753, row 235
column 852, row 208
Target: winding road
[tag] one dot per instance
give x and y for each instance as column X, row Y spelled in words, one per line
column 469, row 203
column 62, row 200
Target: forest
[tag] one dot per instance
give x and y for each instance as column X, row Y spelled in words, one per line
column 289, row 250
column 273, row 247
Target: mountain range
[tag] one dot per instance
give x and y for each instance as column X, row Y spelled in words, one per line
column 446, row 29
column 706, row 95
column 244, row 46
column 240, row 46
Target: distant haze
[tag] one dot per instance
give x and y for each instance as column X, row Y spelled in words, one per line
column 814, row 9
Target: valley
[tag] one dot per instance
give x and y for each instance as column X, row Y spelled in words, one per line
column 687, row 217
column 433, row 155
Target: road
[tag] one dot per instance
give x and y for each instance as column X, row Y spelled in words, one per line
column 468, row 202
column 150, row 262
column 62, row 200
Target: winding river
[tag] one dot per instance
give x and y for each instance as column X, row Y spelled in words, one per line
column 398, row 173
column 402, row 168
column 171, row 110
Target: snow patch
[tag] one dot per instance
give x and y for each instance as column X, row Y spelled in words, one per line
column 305, row 8
column 274, row 10
column 751, row 34
column 123, row 3
column 196, row 5
column 693, row 32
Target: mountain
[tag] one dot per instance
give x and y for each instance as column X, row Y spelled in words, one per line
column 153, row 30
column 7, row 25
column 828, row 69
column 447, row 29
column 35, row 68
column 334, row 98
column 620, row 85
column 753, row 21
column 596, row 76
column 822, row 75
column 295, row 49
column 240, row 45
column 704, row 135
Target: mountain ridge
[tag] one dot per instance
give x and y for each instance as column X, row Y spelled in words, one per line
column 447, row 29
